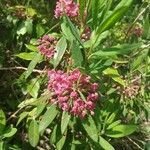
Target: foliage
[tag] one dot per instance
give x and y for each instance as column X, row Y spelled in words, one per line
column 74, row 78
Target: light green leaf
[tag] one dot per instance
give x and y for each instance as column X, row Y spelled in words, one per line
column 53, row 137
column 9, row 132
column 33, row 87
column 60, row 50
column 113, row 73
column 61, row 142
column 31, row 47
column 105, row 144
column 21, row 117
column 33, row 133
column 121, row 131
column 27, row 102
column 48, row 117
column 65, row 121
column 26, row 56
column 2, row 121
column 22, row 29
column 37, row 58
column 112, row 125
column 90, row 128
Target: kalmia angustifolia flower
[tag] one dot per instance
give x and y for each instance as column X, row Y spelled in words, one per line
column 68, row 7
column 73, row 92
column 47, row 46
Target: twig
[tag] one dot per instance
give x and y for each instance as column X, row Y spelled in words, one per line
column 134, row 143
column 22, row 68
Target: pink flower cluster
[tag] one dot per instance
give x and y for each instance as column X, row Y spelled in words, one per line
column 47, row 46
column 73, row 92
column 68, row 7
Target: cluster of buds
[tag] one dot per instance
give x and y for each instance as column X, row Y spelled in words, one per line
column 138, row 31
column 86, row 34
column 73, row 92
column 132, row 90
column 46, row 45
column 68, row 7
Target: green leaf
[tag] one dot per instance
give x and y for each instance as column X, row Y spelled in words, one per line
column 33, row 87
column 90, row 128
column 31, row 47
column 39, row 30
column 2, row 121
column 65, row 121
column 9, row 132
column 66, row 30
column 33, row 133
column 48, row 117
column 26, row 56
column 37, row 58
column 114, row 17
column 121, row 131
column 27, row 102
column 29, row 25
column 95, row 7
column 22, row 29
column 112, row 125
column 61, row 142
column 76, row 54
column 111, row 118
column 60, row 50
column 116, row 50
column 105, row 144
column 74, row 31
column 21, row 117
column 82, row 6
column 53, row 137
column 113, row 73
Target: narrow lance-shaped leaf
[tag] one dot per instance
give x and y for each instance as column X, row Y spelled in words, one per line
column 60, row 50
column 74, row 31
column 105, row 144
column 2, row 121
column 33, row 133
column 48, row 117
column 90, row 128
column 95, row 7
column 65, row 121
column 33, row 63
column 121, row 131
column 61, row 142
column 76, row 54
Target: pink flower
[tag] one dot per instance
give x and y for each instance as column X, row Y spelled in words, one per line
column 69, row 90
column 68, row 7
column 47, row 46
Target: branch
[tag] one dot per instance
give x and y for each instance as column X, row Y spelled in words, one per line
column 22, row 68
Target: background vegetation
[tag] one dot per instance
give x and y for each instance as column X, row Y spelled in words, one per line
column 114, row 52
